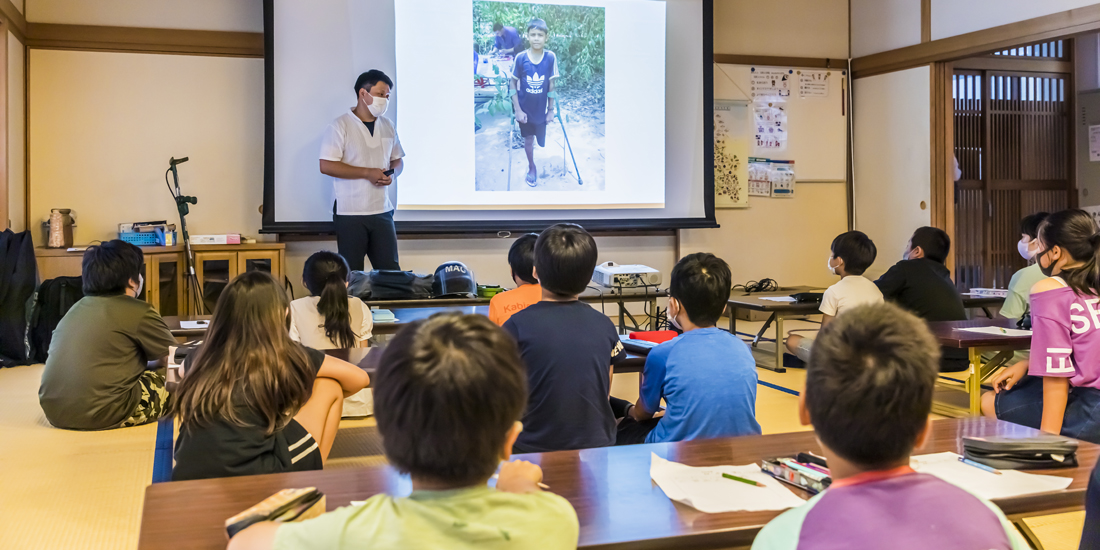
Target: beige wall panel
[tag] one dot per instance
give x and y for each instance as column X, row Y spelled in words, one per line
column 17, row 167
column 953, row 17
column 793, row 28
column 882, row 25
column 207, row 15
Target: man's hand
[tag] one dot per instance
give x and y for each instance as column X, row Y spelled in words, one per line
column 375, row 176
column 550, row 116
column 1009, row 377
column 519, row 476
column 521, row 116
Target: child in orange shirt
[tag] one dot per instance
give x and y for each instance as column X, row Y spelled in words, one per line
column 521, row 257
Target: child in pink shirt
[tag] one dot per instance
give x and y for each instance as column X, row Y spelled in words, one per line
column 1058, row 390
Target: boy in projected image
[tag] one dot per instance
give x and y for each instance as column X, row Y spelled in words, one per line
column 533, row 80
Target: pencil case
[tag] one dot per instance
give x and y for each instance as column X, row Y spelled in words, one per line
column 285, row 506
column 1022, row 453
column 811, row 483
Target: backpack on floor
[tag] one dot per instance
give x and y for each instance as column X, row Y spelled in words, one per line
column 54, row 299
column 18, row 277
column 399, row 285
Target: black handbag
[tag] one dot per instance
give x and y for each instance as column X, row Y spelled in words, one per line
column 399, row 285
column 1022, row 453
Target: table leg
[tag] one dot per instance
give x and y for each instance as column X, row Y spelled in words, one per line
column 622, row 317
column 763, row 329
column 733, row 320
column 974, row 381
column 653, row 312
column 987, row 313
column 779, row 343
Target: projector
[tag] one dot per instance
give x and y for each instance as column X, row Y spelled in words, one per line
column 611, row 274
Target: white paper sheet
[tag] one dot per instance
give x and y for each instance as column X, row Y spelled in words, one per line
column 778, row 298
column 998, row 331
column 1010, row 483
column 190, row 325
column 707, row 491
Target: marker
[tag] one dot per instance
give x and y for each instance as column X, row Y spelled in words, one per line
column 802, row 469
column 815, row 467
column 743, row 480
column 979, row 465
column 1003, row 331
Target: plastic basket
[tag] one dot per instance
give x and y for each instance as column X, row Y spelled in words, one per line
column 145, row 239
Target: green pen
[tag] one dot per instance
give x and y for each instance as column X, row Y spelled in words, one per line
column 743, row 480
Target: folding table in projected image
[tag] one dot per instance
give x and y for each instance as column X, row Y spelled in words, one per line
column 949, row 401
column 781, row 310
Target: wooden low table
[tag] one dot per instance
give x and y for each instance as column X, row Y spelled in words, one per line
column 610, row 488
column 948, row 334
column 367, row 359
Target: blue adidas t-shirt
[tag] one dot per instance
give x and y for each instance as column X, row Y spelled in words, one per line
column 707, row 378
column 534, row 83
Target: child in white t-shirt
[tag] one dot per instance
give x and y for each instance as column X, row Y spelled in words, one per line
column 330, row 319
column 852, row 253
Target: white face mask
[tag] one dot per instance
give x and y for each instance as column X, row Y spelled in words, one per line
column 1024, row 248
column 829, row 265
column 378, row 106
column 672, row 318
column 141, row 285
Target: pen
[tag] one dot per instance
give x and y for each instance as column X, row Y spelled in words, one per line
column 541, row 484
column 979, row 465
column 815, row 467
column 1003, row 331
column 743, row 480
column 802, row 469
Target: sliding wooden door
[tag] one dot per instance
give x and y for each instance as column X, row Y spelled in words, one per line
column 1013, row 142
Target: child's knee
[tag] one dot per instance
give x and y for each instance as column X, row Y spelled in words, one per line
column 327, row 388
column 792, row 342
column 989, row 404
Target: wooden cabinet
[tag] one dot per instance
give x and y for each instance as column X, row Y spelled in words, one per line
column 166, row 288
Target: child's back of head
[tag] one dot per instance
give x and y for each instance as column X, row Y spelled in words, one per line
column 565, row 256
column 856, row 249
column 700, row 283
column 447, row 392
column 108, row 268
column 521, row 258
column 869, row 385
column 326, row 275
column 934, row 241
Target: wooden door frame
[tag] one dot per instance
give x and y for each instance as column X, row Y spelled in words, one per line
column 942, row 192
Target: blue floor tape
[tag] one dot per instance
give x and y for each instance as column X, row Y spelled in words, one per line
column 162, row 454
column 775, row 387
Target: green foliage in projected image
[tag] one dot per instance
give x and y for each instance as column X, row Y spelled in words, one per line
column 576, row 36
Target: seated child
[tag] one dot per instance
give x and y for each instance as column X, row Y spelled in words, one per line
column 435, row 384
column 852, row 253
column 330, row 319
column 921, row 284
column 98, row 373
column 867, row 429
column 521, row 258
column 1018, row 302
column 253, row 401
column 1090, row 537
column 1058, row 389
column 706, row 376
column 569, row 349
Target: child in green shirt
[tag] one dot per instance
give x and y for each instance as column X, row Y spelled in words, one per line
column 449, row 392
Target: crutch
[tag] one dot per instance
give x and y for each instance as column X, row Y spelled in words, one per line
column 557, row 112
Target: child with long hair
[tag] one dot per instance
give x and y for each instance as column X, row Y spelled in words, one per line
column 1058, row 389
column 329, row 319
column 253, row 401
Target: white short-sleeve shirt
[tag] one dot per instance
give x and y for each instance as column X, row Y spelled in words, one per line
column 849, row 292
column 347, row 140
column 307, row 325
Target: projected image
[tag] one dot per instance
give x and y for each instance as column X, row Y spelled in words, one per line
column 538, row 97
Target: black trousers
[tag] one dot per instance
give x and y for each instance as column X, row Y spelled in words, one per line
column 373, row 236
column 630, row 431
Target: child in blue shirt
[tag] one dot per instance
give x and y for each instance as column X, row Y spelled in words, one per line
column 533, row 80
column 706, row 376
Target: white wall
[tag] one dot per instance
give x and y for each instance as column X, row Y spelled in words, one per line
column 882, row 25
column 796, row 28
column 17, row 168
column 953, row 17
column 212, row 15
column 102, row 147
column 892, row 157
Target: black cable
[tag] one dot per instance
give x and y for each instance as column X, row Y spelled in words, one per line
column 763, row 285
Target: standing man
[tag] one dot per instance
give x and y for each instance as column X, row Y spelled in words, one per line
column 361, row 152
column 507, row 41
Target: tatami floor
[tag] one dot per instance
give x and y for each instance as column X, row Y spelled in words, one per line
column 84, row 490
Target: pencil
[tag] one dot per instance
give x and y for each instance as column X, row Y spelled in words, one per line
column 541, row 484
column 979, row 465
column 743, row 480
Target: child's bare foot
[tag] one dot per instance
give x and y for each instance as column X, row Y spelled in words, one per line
column 532, row 176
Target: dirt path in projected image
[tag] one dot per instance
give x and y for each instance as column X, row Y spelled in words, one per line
column 555, row 168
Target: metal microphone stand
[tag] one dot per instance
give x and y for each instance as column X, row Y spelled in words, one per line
column 195, row 290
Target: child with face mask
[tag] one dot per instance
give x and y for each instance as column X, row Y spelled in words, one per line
column 851, row 254
column 1019, row 287
column 1058, row 389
